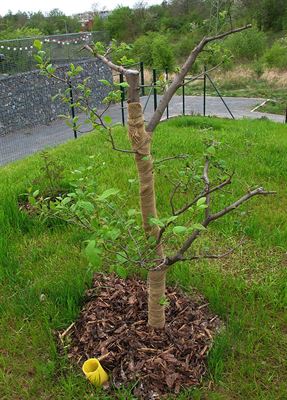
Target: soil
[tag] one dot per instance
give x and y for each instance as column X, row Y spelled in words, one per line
column 113, row 325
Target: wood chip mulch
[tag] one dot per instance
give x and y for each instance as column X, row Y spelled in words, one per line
column 113, row 324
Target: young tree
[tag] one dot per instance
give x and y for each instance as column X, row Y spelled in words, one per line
column 141, row 139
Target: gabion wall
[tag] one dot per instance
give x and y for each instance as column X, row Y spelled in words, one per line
column 26, row 98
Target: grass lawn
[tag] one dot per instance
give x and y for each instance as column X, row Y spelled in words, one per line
column 43, row 272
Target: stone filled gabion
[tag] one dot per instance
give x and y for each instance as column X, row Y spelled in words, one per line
column 26, row 98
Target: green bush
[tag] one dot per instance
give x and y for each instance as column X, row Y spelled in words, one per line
column 155, row 50
column 258, row 68
column 276, row 56
column 162, row 53
column 248, row 45
column 142, row 49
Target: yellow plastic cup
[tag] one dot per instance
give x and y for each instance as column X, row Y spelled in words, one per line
column 95, row 372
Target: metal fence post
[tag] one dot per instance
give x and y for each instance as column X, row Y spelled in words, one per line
column 142, row 77
column 73, row 110
column 154, row 89
column 166, row 77
column 218, row 93
column 204, row 91
column 183, row 97
column 122, row 99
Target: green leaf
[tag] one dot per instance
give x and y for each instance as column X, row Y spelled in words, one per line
column 121, row 271
column 171, row 219
column 50, row 69
column 178, row 230
column 145, row 158
column 37, row 44
column 86, row 205
column 108, row 119
column 198, row 227
column 201, row 201
column 93, row 253
column 107, row 193
column 38, row 59
column 105, row 82
column 211, row 150
column 66, row 200
column 36, row 193
column 122, row 84
column 113, row 234
column 156, row 221
column 121, row 257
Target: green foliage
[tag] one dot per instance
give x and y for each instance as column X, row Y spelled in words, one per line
column 248, row 45
column 120, row 24
column 21, row 24
column 276, row 56
column 162, row 53
column 19, row 33
column 216, row 54
column 51, row 175
column 258, row 67
column 155, row 50
column 142, row 48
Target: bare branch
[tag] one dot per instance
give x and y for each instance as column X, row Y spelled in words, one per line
column 111, row 140
column 174, row 191
column 213, row 256
column 233, row 206
column 188, row 242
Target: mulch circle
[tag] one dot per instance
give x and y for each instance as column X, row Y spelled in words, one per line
column 113, row 324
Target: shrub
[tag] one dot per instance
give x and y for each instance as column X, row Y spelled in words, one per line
column 162, row 53
column 248, row 45
column 142, row 49
column 276, row 56
column 155, row 50
column 258, row 68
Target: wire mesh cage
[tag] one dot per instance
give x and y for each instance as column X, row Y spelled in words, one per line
column 17, row 55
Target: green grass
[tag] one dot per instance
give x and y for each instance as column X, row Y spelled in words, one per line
column 274, row 107
column 248, row 290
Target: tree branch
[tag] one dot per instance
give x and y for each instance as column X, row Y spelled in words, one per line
column 203, row 194
column 110, row 64
column 207, row 186
column 188, row 242
column 177, row 81
column 111, row 140
column 213, row 256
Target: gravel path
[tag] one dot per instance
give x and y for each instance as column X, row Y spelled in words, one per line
column 17, row 145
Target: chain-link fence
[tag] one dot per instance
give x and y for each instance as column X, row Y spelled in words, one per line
column 17, row 55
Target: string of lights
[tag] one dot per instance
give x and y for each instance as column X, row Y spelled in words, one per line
column 54, row 41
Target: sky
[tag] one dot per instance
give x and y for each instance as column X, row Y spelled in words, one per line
column 69, row 7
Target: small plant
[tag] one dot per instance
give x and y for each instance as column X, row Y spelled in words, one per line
column 51, row 176
column 258, row 68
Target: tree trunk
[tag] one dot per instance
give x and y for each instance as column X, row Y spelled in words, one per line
column 156, row 291
column 140, row 141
